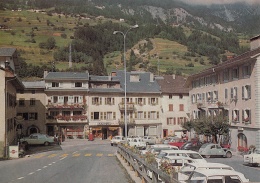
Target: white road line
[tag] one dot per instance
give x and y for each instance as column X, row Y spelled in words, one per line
column 63, row 158
column 74, row 152
column 53, row 162
column 20, row 178
column 38, row 170
column 50, row 164
column 31, row 173
column 45, row 167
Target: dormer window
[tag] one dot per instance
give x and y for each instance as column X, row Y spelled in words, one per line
column 78, row 84
column 235, row 73
column 55, row 84
column 134, row 78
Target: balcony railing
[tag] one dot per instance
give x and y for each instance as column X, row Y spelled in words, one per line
column 72, row 119
column 130, row 122
column 66, row 106
column 129, row 106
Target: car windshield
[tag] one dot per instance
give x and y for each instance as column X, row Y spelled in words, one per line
column 194, row 155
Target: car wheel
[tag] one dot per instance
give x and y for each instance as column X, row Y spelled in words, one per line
column 25, row 143
column 111, row 144
column 228, row 155
column 207, row 156
column 46, row 143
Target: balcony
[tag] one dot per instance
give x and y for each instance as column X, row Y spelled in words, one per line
column 130, row 122
column 129, row 106
column 67, row 119
column 201, row 105
column 66, row 106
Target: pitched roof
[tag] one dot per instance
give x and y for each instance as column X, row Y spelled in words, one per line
column 67, row 76
column 173, row 84
column 143, row 85
column 7, row 51
column 34, row 84
column 240, row 59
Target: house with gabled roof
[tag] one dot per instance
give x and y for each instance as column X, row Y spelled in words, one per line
column 174, row 104
column 231, row 88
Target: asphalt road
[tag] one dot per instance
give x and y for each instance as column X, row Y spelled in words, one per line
column 78, row 161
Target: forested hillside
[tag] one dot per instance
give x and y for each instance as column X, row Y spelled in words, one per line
column 50, row 28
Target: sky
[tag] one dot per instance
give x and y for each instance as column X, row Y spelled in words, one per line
column 208, row 2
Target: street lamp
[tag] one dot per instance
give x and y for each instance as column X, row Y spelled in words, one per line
column 124, row 35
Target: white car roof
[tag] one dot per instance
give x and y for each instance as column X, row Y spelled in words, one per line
column 179, row 151
column 221, row 172
column 210, row 165
column 177, row 157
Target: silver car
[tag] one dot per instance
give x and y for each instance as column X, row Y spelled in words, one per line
column 37, row 139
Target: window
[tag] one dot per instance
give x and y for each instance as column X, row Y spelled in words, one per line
column 153, row 101
column 235, row 115
column 153, row 115
column 21, row 102
column 235, row 73
column 170, row 121
column 109, row 116
column 96, row 100
column 225, row 75
column 170, row 96
column 140, row 101
column 55, row 99
column 180, row 96
column 32, row 102
column 246, row 70
column 55, row 84
column 226, row 93
column 140, row 115
column 78, row 84
column 134, row 78
column 76, row 99
column 170, row 107
column 181, row 107
column 109, row 101
column 33, row 91
column 246, row 92
column 233, row 93
column 33, row 116
column 246, row 116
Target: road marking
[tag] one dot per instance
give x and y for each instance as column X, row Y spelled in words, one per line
column 74, row 152
column 52, row 155
column 76, row 155
column 39, row 156
column 38, row 170
column 45, row 167
column 31, row 173
column 99, row 154
column 64, row 155
column 88, row 154
column 63, row 158
column 20, row 178
column 50, row 164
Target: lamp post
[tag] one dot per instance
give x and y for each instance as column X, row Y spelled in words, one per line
column 124, row 35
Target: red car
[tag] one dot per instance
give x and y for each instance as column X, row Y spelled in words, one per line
column 177, row 142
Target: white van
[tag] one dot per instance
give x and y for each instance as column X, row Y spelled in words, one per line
column 186, row 153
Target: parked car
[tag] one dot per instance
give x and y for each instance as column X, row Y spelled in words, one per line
column 213, row 176
column 191, row 145
column 186, row 153
column 149, row 140
column 37, row 139
column 137, row 143
column 185, row 172
column 214, row 150
column 117, row 139
column 169, row 139
column 252, row 158
column 177, row 142
column 155, row 149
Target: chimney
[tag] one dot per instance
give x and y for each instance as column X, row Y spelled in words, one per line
column 45, row 74
column 151, row 77
column 255, row 42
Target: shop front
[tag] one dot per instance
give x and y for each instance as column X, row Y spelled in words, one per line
column 104, row 130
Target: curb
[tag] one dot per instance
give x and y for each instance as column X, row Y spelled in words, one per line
column 130, row 172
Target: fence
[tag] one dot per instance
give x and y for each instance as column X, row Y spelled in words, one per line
column 141, row 167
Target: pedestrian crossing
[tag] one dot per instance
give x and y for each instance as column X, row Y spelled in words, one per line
column 73, row 155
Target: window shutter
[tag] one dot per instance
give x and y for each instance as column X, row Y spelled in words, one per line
column 144, row 101
column 101, row 115
column 144, row 115
column 92, row 115
column 174, row 121
column 105, row 115
column 149, row 114
column 232, row 93
column 243, row 93
column 249, row 92
column 113, row 101
column 158, row 115
column 93, row 100
column 149, row 101
column 157, row 101
column 114, row 115
column 135, row 114
column 100, row 100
